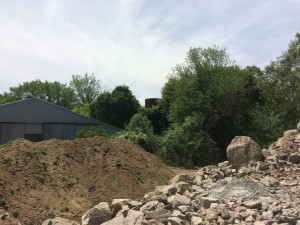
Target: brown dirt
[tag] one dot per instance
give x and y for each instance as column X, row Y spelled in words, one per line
column 65, row 178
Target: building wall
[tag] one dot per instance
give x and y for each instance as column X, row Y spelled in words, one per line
column 39, row 132
column 37, row 120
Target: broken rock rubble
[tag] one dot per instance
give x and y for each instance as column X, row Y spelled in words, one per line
column 261, row 192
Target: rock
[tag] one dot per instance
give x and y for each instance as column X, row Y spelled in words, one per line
column 59, row 221
column 182, row 187
column 118, row 204
column 149, row 206
column 176, row 221
column 166, row 190
column 119, row 220
column 253, row 204
column 251, row 192
column 179, row 200
column 151, row 222
column 265, row 153
column 160, row 215
column 242, row 150
column 294, row 158
column 298, row 127
column 134, row 218
column 195, row 220
column 289, row 133
column 97, row 215
column 182, row 177
column 207, row 201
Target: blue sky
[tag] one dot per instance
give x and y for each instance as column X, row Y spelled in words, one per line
column 135, row 42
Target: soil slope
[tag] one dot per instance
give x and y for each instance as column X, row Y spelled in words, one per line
column 65, row 178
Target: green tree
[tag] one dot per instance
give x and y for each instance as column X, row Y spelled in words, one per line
column 83, row 109
column 140, row 131
column 157, row 117
column 211, row 89
column 6, row 98
column 53, row 92
column 86, row 87
column 184, row 145
column 282, row 83
column 140, row 123
column 115, row 108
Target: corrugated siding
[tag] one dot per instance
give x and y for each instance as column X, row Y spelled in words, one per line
column 10, row 132
column 58, row 131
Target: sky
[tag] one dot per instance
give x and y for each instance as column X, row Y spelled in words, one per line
column 135, row 42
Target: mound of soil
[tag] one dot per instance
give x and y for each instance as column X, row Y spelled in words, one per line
column 65, row 178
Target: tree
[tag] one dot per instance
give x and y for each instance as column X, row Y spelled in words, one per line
column 184, row 145
column 140, row 131
column 53, row 92
column 212, row 90
column 86, row 87
column 6, row 98
column 282, row 83
column 115, row 108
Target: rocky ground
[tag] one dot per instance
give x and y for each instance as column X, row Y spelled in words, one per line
column 58, row 178
column 254, row 186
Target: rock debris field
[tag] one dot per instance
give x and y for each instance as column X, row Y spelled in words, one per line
column 254, row 186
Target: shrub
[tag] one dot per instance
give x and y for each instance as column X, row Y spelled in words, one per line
column 95, row 131
column 183, row 145
column 140, row 131
column 149, row 142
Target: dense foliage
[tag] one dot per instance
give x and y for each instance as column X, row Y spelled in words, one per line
column 140, row 131
column 115, row 108
column 206, row 101
column 86, row 87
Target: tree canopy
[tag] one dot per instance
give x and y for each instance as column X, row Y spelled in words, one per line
column 115, row 108
column 53, row 92
column 86, row 87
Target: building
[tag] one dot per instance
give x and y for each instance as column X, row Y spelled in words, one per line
column 36, row 120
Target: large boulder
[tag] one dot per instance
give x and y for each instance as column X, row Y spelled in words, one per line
column 242, row 150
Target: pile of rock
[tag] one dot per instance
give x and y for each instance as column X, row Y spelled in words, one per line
column 253, row 187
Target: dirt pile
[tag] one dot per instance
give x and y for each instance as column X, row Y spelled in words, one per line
column 261, row 192
column 65, row 178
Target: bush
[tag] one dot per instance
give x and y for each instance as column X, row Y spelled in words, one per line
column 149, row 142
column 183, row 145
column 95, row 131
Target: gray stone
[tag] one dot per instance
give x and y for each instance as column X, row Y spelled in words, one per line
column 253, row 204
column 182, row 187
column 265, row 153
column 166, row 190
column 195, row 220
column 178, row 200
column 134, row 218
column 149, row 206
column 176, row 221
column 298, row 127
column 59, row 221
column 161, row 215
column 119, row 220
column 294, row 158
column 182, row 177
column 242, row 150
column 97, row 215
column 207, row 201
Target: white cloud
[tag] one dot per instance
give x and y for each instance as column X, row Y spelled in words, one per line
column 134, row 42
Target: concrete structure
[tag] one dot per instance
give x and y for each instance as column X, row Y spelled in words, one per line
column 35, row 119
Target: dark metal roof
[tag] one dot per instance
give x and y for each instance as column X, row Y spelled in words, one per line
column 35, row 110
